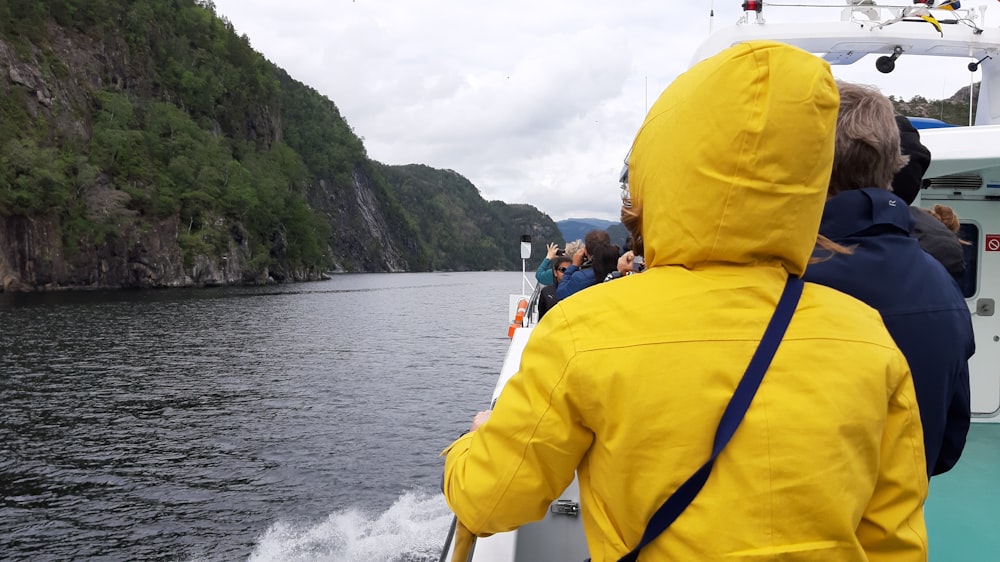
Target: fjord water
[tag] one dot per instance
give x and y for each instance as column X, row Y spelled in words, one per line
column 282, row 423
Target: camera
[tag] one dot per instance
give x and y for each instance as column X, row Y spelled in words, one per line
column 560, row 252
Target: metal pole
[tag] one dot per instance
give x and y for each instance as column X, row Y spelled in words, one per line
column 447, row 542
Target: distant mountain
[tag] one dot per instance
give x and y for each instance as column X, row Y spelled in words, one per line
column 575, row 229
column 460, row 230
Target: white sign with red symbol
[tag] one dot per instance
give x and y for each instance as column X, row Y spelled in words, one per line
column 993, row 242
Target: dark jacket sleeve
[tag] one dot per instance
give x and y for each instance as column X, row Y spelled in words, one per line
column 574, row 279
column 941, row 243
column 956, row 426
column 546, row 299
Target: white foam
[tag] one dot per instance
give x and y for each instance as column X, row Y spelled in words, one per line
column 413, row 529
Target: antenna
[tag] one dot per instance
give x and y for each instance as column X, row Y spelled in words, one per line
column 711, row 15
column 525, row 254
column 972, row 80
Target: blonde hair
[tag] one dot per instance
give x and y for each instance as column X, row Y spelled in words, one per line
column 572, row 247
column 949, row 218
column 830, row 247
column 867, row 152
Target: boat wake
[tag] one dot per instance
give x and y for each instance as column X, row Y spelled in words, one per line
column 413, row 529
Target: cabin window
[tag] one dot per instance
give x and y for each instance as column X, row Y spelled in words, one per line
column 969, row 233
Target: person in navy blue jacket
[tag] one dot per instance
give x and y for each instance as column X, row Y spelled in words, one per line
column 578, row 276
column 918, row 299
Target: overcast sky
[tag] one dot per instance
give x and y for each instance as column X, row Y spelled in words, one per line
column 533, row 101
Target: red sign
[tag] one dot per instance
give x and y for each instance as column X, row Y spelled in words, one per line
column 993, row 242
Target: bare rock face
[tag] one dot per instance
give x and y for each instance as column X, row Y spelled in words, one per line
column 38, row 254
column 33, row 257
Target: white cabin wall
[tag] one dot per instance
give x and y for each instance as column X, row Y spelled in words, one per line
column 987, row 109
column 981, row 209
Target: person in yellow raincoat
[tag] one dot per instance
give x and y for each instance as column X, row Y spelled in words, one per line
column 625, row 383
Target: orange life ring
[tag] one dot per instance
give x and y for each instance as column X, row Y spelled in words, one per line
column 522, row 309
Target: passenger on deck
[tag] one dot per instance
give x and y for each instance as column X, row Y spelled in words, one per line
column 919, row 301
column 547, row 297
column 625, row 383
column 605, row 263
column 578, row 276
column 573, row 247
column 935, row 237
column 544, row 272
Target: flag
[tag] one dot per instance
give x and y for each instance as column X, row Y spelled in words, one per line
column 933, row 21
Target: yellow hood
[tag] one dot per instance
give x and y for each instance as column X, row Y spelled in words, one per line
column 753, row 190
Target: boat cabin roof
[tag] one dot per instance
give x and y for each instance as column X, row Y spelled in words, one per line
column 882, row 30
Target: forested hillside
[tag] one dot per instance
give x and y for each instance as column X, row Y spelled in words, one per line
column 143, row 143
column 462, row 230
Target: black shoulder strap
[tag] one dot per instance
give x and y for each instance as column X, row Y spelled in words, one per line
column 731, row 418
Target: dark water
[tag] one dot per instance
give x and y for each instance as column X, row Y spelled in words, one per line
column 291, row 423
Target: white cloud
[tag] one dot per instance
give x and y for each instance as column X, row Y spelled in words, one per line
column 534, row 102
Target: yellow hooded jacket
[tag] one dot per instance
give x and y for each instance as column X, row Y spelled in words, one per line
column 626, row 382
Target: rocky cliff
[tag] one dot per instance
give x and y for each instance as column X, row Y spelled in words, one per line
column 145, row 144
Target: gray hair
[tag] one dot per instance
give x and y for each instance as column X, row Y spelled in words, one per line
column 867, row 152
column 572, row 247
